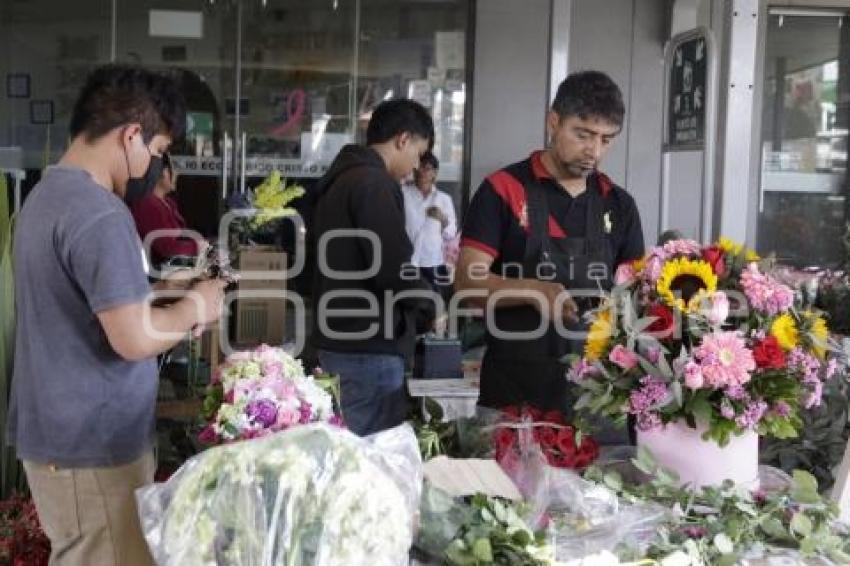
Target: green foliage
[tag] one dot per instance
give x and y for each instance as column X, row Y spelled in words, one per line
column 824, row 433
column 481, row 531
column 718, row 525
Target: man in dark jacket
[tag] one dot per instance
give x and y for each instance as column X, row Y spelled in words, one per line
column 366, row 304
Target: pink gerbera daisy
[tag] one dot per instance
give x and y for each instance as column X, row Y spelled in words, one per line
column 725, row 360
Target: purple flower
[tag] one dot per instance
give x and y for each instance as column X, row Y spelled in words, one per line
column 653, row 391
column 782, row 409
column 737, row 393
column 263, row 412
column 815, row 395
column 581, row 369
column 648, row 421
column 751, row 415
column 306, row 412
column 694, row 532
column 727, row 410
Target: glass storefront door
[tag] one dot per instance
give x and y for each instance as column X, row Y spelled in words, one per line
column 803, row 204
column 270, row 84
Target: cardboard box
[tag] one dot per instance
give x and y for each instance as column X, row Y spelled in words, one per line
column 260, row 319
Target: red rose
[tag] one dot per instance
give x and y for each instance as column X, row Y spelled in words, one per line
column 504, row 438
column 533, row 413
column 664, row 323
column 548, row 437
column 566, row 441
column 512, row 412
column 768, row 354
column 715, row 258
column 555, row 417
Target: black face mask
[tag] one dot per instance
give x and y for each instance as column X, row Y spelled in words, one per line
column 140, row 187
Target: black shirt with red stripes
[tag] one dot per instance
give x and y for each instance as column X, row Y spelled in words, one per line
column 497, row 220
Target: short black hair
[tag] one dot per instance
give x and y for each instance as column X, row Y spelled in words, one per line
column 115, row 95
column 397, row 116
column 429, row 158
column 589, row 94
column 167, row 164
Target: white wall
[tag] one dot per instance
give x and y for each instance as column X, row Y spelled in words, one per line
column 625, row 38
column 509, row 85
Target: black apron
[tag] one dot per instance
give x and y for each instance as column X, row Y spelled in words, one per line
column 530, row 372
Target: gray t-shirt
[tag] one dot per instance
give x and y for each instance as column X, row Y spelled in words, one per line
column 75, row 402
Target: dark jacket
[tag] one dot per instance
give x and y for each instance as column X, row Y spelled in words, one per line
column 358, row 193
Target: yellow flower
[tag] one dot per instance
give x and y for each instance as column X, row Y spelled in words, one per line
column 784, row 329
column 639, row 264
column 751, row 255
column 686, row 278
column 819, row 332
column 729, row 246
column 599, row 335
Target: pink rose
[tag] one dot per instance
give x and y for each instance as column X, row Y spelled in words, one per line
column 272, row 369
column 653, row 268
column 717, row 308
column 693, row 376
column 625, row 274
column 287, row 418
column 623, row 357
column 653, row 354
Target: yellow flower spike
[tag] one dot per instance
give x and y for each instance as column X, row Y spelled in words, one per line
column 599, row 335
column 784, row 329
column 680, row 272
column 819, row 331
column 729, row 246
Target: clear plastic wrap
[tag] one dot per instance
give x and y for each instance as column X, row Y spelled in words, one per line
column 314, row 495
column 583, row 518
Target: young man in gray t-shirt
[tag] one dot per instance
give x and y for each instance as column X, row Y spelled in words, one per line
column 85, row 380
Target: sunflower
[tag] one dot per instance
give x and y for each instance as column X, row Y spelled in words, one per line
column 818, row 332
column 598, row 336
column 682, row 279
column 784, row 329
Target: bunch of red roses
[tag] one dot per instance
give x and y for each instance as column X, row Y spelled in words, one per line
column 550, row 431
column 22, row 542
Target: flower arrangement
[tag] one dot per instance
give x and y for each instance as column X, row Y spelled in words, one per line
column 561, row 444
column 258, row 392
column 791, row 523
column 270, row 201
column 22, row 541
column 313, row 495
column 704, row 334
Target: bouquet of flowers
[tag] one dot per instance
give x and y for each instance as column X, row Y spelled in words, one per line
column 258, row 392
column 269, row 202
column 704, row 334
column 22, row 541
column 314, row 495
column 561, row 444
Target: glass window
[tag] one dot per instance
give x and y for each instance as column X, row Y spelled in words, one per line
column 803, row 198
column 47, row 50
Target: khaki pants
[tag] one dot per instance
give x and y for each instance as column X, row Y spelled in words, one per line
column 89, row 514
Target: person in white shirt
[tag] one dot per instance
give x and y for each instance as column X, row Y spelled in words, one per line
column 430, row 221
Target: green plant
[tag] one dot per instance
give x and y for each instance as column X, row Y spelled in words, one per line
column 719, row 524
column 822, row 440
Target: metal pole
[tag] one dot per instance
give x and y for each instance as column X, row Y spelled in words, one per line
column 113, row 45
column 355, row 71
column 237, row 125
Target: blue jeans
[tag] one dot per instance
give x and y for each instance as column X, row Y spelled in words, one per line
column 371, row 389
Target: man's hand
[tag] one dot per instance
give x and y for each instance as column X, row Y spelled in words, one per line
column 208, row 295
column 437, row 214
